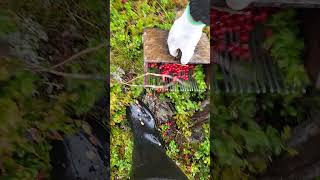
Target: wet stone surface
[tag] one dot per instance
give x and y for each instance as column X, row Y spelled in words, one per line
column 161, row 109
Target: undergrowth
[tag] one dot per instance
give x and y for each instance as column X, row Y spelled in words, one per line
column 127, row 23
column 287, row 48
column 250, row 131
column 193, row 157
column 39, row 106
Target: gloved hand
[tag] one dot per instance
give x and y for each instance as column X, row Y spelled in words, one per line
column 184, row 35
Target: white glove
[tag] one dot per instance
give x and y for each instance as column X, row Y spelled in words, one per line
column 184, row 35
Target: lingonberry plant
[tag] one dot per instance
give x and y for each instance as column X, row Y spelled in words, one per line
column 286, row 47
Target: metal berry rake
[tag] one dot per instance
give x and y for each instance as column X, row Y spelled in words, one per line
column 259, row 76
column 256, row 74
column 164, row 72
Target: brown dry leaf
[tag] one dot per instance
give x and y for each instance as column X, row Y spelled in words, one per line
column 93, row 140
column 54, row 135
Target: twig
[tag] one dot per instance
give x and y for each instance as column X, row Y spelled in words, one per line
column 152, row 86
column 32, row 151
column 38, row 68
column 199, row 123
column 75, row 56
column 75, row 75
column 162, row 8
column 154, row 74
column 86, row 21
column 227, row 10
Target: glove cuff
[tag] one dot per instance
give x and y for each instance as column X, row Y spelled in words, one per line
column 190, row 18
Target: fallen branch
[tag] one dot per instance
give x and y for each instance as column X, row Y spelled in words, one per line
column 154, row 74
column 76, row 75
column 75, row 56
column 153, row 86
column 38, row 68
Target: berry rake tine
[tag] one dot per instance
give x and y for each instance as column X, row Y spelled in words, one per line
column 253, row 60
column 214, row 79
column 271, row 83
column 190, row 81
column 257, row 59
column 225, row 77
column 183, row 85
column 275, row 74
column 267, row 73
column 240, row 82
column 193, row 84
column 229, row 39
column 257, row 71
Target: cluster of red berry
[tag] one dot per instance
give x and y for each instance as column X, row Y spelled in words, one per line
column 231, row 32
column 170, row 125
column 178, row 71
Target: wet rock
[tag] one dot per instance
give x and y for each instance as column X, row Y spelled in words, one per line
column 203, row 115
column 26, row 42
column 197, row 135
column 77, row 158
column 161, row 109
column 117, row 74
column 198, row 120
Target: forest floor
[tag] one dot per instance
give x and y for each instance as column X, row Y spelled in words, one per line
column 186, row 144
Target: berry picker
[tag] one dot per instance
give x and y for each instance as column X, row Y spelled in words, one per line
column 173, row 76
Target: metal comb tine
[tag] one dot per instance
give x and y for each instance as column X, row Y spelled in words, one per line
column 185, row 83
column 264, row 64
column 225, row 80
column 254, row 62
column 236, row 80
column 215, row 80
column 193, row 84
column 267, row 72
column 258, row 59
column 237, row 39
column 228, row 57
column 190, row 81
column 188, row 84
column 276, row 76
